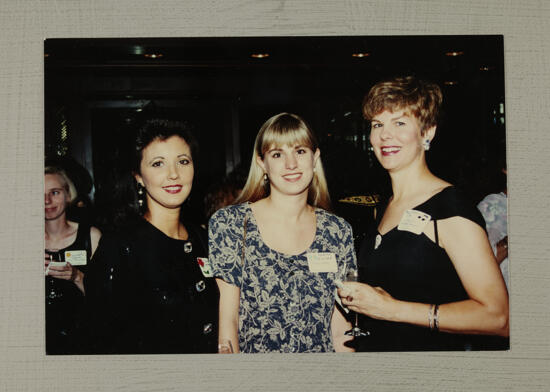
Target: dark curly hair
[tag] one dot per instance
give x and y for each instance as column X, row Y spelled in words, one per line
column 127, row 209
column 162, row 129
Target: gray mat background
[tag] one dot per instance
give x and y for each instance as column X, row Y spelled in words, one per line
column 23, row 27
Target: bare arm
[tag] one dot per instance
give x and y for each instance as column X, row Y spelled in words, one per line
column 339, row 325
column 502, row 250
column 486, row 310
column 229, row 314
column 95, row 235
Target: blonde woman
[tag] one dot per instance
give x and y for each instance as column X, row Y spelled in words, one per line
column 277, row 253
column 64, row 282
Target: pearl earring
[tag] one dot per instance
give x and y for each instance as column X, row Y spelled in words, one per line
column 140, row 194
column 426, row 144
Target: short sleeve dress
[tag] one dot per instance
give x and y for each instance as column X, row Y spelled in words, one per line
column 284, row 307
column 413, row 268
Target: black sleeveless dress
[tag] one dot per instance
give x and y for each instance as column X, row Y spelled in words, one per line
column 413, row 268
column 64, row 301
column 145, row 293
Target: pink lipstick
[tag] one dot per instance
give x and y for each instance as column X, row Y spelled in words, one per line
column 389, row 150
column 292, row 177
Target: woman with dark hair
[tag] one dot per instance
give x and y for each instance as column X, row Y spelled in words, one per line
column 69, row 247
column 278, row 253
column 431, row 281
column 146, row 290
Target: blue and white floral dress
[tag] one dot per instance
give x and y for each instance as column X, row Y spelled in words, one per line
column 283, row 306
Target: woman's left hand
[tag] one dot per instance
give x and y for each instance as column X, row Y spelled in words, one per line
column 374, row 302
column 65, row 272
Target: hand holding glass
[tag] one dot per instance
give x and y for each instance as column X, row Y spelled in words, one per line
column 353, row 276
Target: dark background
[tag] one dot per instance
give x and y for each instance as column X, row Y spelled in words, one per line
column 96, row 91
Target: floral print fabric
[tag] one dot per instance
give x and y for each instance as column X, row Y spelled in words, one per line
column 283, row 306
column 494, row 208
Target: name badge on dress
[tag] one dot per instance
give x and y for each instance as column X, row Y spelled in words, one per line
column 205, row 267
column 76, row 257
column 414, row 221
column 322, row 262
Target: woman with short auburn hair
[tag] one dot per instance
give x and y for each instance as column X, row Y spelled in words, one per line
column 430, row 280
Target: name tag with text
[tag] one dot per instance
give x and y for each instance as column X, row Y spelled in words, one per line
column 76, row 257
column 414, row 221
column 322, row 262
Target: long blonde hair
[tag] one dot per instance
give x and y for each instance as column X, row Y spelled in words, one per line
column 284, row 129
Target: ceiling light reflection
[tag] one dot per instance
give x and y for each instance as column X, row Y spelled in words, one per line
column 454, row 53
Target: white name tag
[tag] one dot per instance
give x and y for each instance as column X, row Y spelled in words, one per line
column 414, row 221
column 322, row 262
column 76, row 257
column 205, row 267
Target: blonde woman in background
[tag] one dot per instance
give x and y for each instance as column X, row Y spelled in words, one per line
column 66, row 243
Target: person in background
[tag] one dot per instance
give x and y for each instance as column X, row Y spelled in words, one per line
column 69, row 247
column 146, row 290
column 278, row 252
column 224, row 192
column 81, row 208
column 430, row 280
column 494, row 208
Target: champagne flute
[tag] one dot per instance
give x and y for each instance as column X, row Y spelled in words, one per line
column 356, row 331
column 52, row 288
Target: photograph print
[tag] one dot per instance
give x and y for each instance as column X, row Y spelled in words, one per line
column 275, row 194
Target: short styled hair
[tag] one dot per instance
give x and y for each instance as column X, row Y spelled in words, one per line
column 161, row 129
column 68, row 184
column 124, row 209
column 419, row 98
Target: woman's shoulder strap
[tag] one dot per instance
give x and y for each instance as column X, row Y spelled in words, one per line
column 451, row 202
column 83, row 237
